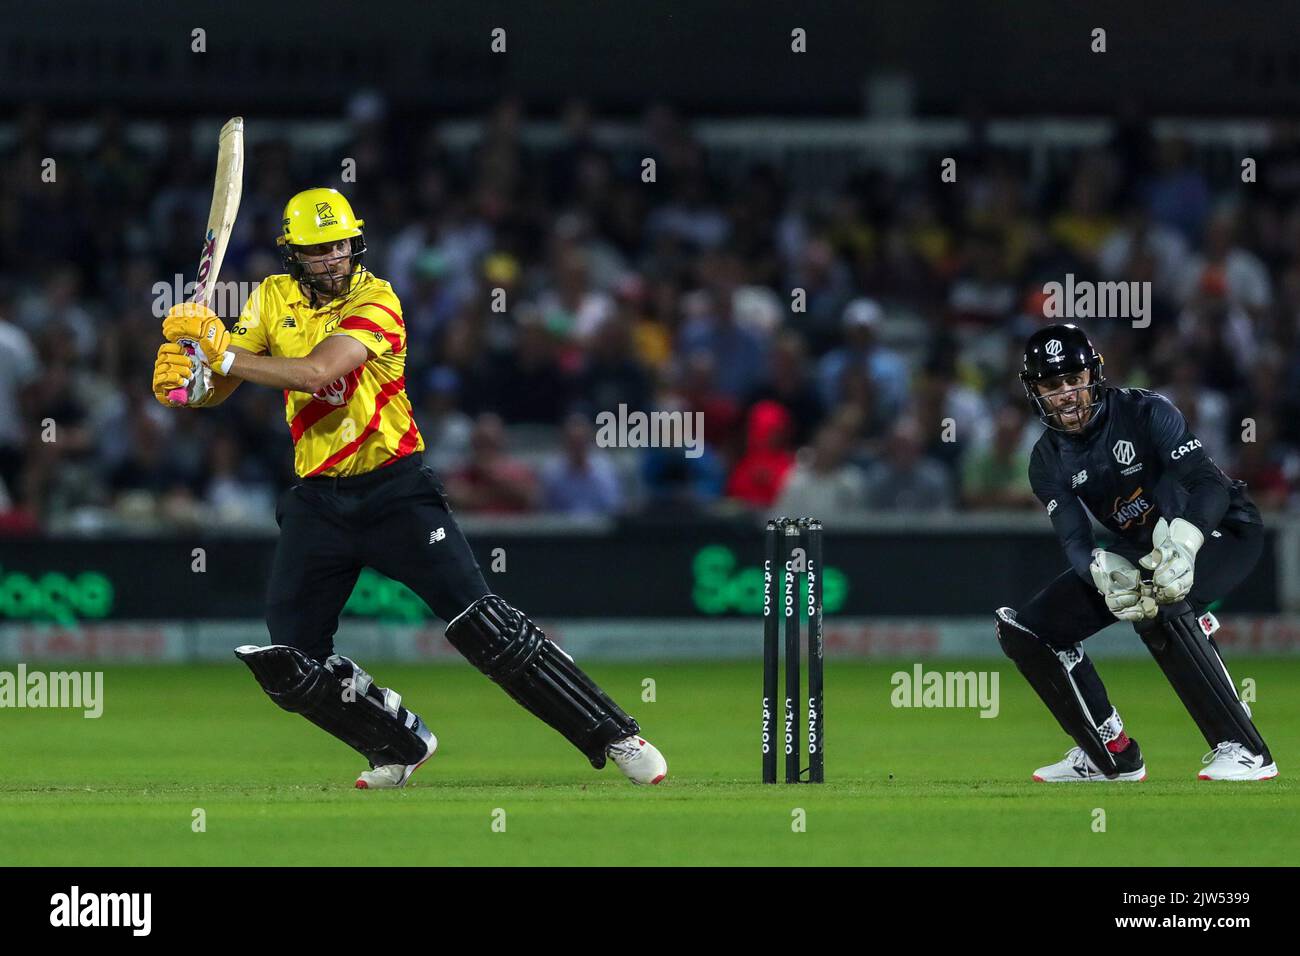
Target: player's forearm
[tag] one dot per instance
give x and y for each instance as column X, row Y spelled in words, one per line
column 1207, row 500
column 1075, row 534
column 221, row 390
column 1079, row 554
column 296, row 374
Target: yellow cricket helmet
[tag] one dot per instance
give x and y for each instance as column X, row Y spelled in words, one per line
column 318, row 215
column 314, row 216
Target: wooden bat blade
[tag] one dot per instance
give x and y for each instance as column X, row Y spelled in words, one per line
column 226, row 192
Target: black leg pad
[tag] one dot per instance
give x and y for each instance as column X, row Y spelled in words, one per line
column 342, row 699
column 1048, row 673
column 1182, row 645
column 509, row 648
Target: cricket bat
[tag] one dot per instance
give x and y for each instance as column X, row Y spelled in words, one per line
column 227, row 189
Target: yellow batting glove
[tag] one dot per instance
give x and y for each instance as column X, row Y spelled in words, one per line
column 171, row 370
column 189, row 320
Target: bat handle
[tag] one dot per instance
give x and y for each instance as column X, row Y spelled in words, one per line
column 181, row 396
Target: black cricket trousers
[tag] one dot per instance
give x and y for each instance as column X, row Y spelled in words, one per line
column 395, row 520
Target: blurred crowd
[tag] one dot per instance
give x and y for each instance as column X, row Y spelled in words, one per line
column 851, row 349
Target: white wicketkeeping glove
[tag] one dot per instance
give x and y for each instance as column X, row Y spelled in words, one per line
column 1172, row 558
column 1120, row 583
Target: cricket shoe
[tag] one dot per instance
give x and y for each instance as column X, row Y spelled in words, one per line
column 1230, row 760
column 640, row 760
column 393, row 775
column 1077, row 767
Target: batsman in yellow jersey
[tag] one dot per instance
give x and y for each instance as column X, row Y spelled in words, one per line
column 330, row 334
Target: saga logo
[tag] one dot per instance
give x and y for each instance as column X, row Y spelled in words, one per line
column 1186, row 449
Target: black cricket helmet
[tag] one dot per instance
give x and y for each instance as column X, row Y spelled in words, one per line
column 1060, row 350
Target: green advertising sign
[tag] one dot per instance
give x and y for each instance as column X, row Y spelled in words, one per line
column 382, row 598
column 723, row 588
column 54, row 596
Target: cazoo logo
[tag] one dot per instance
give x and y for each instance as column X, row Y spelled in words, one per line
column 1182, row 450
column 340, row 390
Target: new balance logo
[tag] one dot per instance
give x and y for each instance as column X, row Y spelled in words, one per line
column 288, row 323
column 1079, row 479
column 436, row 536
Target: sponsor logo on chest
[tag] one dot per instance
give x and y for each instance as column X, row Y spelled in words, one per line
column 1124, row 454
column 1130, row 511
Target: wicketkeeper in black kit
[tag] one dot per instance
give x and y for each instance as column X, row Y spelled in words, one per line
column 1126, row 456
column 330, row 334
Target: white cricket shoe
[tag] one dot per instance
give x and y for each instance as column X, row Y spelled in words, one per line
column 1077, row 767
column 640, row 760
column 395, row 775
column 1230, row 760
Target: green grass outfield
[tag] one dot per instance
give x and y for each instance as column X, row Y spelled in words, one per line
column 905, row 786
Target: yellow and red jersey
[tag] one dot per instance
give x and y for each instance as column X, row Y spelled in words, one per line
column 357, row 423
